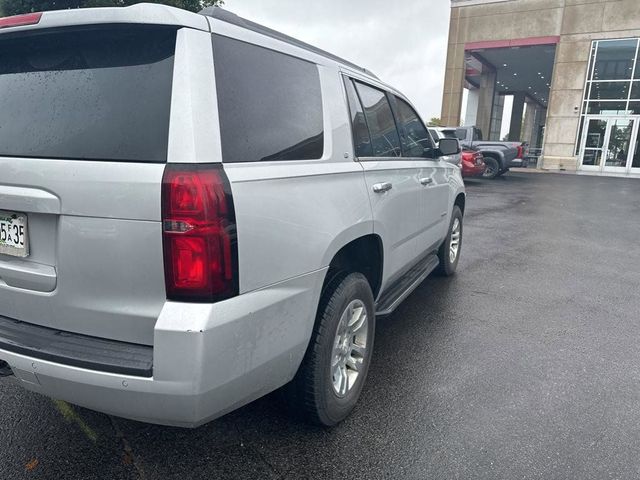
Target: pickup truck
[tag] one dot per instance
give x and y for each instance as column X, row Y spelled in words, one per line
column 498, row 156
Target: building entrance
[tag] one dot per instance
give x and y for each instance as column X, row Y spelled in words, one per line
column 610, row 144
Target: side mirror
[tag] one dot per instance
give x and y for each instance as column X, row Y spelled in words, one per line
column 448, row 146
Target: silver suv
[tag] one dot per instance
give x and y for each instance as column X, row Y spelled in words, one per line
column 196, row 210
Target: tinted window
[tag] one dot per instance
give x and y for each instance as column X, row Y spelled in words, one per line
column 361, row 138
column 382, row 128
column 270, row 104
column 414, row 137
column 461, row 133
column 92, row 94
column 449, row 134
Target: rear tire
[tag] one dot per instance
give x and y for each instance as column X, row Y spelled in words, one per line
column 328, row 384
column 493, row 167
column 453, row 243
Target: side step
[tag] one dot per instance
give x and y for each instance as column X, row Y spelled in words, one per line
column 402, row 288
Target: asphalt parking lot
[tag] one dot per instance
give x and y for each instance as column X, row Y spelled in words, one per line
column 524, row 365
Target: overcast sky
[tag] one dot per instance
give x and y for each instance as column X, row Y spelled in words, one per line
column 404, row 42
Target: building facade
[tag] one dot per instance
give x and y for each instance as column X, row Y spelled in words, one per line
column 570, row 67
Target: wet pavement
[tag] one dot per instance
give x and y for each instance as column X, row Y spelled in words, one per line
column 524, row 365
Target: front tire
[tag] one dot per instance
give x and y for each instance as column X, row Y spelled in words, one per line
column 449, row 252
column 328, row 384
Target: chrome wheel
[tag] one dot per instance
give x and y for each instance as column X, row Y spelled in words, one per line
column 454, row 245
column 349, row 347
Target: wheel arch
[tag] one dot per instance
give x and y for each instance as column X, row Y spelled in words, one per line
column 364, row 254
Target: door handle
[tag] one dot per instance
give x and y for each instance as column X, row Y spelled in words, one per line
column 426, row 181
column 382, row 187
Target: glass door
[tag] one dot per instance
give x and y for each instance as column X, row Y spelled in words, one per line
column 611, row 144
column 593, row 142
column 617, row 152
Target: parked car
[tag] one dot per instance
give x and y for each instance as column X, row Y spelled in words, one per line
column 179, row 240
column 472, row 163
column 438, row 133
column 498, row 156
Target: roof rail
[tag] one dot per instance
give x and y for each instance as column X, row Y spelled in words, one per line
column 229, row 17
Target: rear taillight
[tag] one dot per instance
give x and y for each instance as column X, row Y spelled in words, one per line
column 467, row 155
column 20, row 20
column 520, row 151
column 199, row 233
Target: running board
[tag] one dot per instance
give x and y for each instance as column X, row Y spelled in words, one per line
column 403, row 287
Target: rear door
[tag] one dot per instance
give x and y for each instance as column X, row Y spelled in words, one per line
column 433, row 197
column 391, row 179
column 84, row 121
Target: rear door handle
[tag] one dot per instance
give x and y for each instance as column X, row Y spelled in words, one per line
column 382, row 187
column 426, row 181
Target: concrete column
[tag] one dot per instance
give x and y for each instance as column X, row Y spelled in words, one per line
column 529, row 122
column 496, row 119
column 473, row 96
column 540, row 117
column 515, row 127
column 486, row 95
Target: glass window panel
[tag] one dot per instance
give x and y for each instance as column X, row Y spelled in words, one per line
column 609, row 91
column 595, row 133
column 361, row 138
column 619, row 143
column 90, row 94
column 635, row 91
column 614, row 60
column 592, row 157
column 607, row 108
column 270, row 104
column 382, row 125
column 635, row 161
column 414, row 137
column 634, row 108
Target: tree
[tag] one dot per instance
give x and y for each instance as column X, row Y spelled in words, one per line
column 16, row 7
column 435, row 122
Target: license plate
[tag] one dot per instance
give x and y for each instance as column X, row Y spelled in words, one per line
column 13, row 234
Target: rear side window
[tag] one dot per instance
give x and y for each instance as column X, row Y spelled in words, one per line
column 415, row 139
column 269, row 103
column 361, row 138
column 461, row 133
column 382, row 127
column 102, row 94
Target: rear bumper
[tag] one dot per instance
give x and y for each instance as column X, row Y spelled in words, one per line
column 208, row 359
column 473, row 170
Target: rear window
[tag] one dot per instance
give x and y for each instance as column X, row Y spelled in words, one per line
column 450, row 134
column 269, row 103
column 102, row 94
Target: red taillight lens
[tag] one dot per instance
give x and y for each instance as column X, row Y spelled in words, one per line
column 467, row 155
column 199, row 233
column 20, row 20
column 520, row 151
